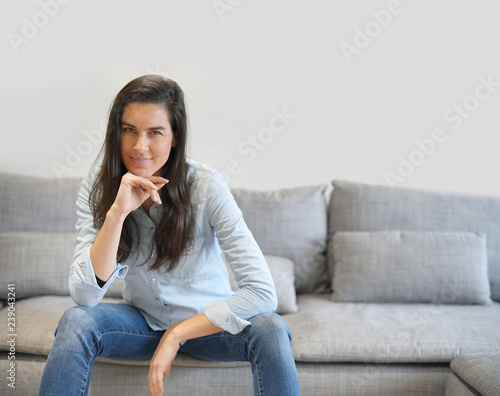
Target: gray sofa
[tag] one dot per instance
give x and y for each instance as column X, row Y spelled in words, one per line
column 415, row 277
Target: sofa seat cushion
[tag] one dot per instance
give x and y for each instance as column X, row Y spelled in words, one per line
column 479, row 372
column 37, row 319
column 326, row 331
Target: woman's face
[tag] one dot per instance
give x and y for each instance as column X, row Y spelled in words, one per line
column 146, row 138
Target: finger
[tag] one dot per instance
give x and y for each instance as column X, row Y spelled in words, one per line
column 156, row 386
column 146, row 184
column 158, row 180
column 156, row 197
column 151, row 383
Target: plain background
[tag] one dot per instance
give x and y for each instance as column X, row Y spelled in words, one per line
column 239, row 62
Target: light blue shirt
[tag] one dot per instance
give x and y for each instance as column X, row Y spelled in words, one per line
column 200, row 282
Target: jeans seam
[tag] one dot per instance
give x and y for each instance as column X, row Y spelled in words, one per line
column 121, row 332
column 99, row 339
column 86, row 377
column 251, row 350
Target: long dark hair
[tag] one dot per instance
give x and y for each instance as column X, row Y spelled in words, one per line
column 175, row 227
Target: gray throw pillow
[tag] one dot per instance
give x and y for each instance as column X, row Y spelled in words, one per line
column 282, row 271
column 410, row 267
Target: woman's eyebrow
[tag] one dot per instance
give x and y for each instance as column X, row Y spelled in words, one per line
column 150, row 129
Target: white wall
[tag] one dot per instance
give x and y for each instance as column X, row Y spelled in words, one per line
column 353, row 120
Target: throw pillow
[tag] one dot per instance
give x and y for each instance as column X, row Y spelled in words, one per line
column 416, row 267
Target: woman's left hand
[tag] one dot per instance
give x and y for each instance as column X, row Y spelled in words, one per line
column 161, row 363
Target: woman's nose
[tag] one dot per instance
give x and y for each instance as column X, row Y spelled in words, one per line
column 141, row 144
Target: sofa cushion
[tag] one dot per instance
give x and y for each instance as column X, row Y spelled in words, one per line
column 291, row 223
column 480, row 372
column 38, row 263
column 410, row 267
column 363, row 207
column 282, row 271
column 456, row 387
column 36, row 322
column 37, row 204
column 325, row 331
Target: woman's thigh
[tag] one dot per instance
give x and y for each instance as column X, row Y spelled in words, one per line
column 117, row 331
column 268, row 332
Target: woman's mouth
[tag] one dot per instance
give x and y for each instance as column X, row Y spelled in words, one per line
column 140, row 161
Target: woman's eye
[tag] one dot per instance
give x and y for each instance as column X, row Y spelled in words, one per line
column 156, row 133
column 127, row 130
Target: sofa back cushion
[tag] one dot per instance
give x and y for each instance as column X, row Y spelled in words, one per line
column 35, row 204
column 37, row 234
column 291, row 223
column 362, row 207
column 37, row 263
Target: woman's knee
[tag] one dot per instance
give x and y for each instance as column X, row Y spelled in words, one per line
column 81, row 319
column 272, row 327
column 74, row 320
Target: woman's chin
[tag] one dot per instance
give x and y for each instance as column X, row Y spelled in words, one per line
column 141, row 172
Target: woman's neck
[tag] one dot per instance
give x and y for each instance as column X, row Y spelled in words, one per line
column 147, row 204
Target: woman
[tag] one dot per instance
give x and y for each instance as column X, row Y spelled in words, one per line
column 160, row 221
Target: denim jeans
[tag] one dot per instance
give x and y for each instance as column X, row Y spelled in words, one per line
column 119, row 331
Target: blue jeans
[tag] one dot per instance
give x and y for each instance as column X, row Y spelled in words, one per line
column 119, row 331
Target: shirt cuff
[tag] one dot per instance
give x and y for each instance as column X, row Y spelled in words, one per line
column 83, row 284
column 221, row 316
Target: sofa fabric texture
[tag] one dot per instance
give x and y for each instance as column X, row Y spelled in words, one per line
column 480, row 372
column 402, row 347
column 390, row 333
column 291, row 223
column 363, row 207
column 411, row 267
column 456, row 387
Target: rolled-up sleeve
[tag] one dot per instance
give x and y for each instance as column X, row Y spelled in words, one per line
column 257, row 293
column 82, row 283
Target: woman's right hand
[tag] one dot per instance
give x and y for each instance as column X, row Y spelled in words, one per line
column 134, row 190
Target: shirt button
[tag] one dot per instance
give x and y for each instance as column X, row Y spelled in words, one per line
column 190, row 251
column 153, row 279
column 152, row 255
